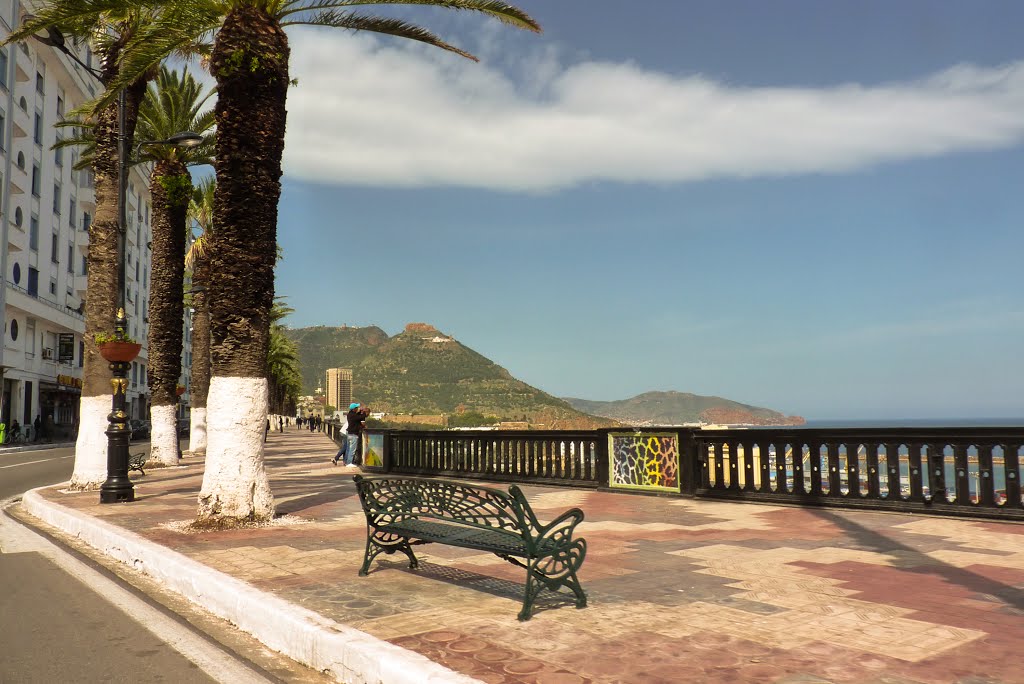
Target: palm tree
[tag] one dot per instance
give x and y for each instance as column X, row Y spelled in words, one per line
column 110, row 26
column 197, row 260
column 283, row 376
column 173, row 104
column 250, row 64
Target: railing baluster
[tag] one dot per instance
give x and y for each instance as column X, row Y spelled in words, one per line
column 915, row 471
column 961, row 476
column 835, row 482
column 986, row 488
column 1010, row 454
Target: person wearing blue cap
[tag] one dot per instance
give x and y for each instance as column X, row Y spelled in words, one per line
column 355, row 418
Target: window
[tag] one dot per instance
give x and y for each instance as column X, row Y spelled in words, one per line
column 58, row 155
column 60, row 106
column 71, row 258
column 85, row 264
column 135, row 372
column 3, row 122
column 33, row 282
column 33, row 233
column 55, row 248
column 19, row 216
column 3, row 67
column 81, row 353
column 17, row 273
column 21, row 161
column 37, row 130
column 53, row 286
column 14, row 330
column 37, row 177
column 40, row 83
column 72, row 207
column 86, row 221
column 56, row 199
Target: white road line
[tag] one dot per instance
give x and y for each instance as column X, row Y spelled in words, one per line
column 220, row 666
column 42, row 460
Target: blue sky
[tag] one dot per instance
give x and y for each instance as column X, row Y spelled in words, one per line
column 814, row 207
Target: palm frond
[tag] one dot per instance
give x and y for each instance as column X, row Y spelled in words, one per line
column 502, row 11
column 385, row 25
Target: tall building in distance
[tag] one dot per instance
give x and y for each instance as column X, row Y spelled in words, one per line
column 339, row 388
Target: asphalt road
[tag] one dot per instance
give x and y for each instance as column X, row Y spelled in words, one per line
column 62, row 619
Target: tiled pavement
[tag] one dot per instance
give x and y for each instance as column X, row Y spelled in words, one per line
column 679, row 590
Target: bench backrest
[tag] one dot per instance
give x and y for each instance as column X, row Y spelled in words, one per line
column 386, row 500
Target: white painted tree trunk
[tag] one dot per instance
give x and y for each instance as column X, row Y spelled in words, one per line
column 91, row 448
column 197, row 432
column 164, row 435
column 235, row 484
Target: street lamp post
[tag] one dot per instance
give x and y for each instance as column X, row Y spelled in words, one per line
column 118, row 486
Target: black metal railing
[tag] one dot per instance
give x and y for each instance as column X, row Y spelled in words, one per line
column 950, row 471
column 553, row 457
column 960, row 471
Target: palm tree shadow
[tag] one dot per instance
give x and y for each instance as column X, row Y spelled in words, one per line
column 333, row 494
column 913, row 560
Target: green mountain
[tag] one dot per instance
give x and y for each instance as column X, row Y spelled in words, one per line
column 677, row 408
column 321, row 347
column 425, row 372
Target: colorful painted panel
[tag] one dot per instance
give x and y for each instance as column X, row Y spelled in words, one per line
column 648, row 461
column 373, row 450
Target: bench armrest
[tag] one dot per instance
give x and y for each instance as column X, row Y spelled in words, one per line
column 559, row 530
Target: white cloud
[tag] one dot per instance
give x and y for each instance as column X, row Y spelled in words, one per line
column 371, row 113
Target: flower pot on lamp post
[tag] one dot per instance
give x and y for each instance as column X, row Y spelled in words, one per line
column 119, row 352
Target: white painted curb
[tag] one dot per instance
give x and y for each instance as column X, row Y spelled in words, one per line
column 347, row 654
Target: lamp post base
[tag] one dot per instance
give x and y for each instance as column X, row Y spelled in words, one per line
column 118, row 487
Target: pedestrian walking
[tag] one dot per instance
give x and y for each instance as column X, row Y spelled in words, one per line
column 344, row 445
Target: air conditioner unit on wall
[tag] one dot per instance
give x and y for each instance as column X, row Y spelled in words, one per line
column 48, row 354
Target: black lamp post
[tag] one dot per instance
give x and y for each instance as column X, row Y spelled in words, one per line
column 117, row 487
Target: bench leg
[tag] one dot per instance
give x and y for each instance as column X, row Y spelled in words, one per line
column 387, row 544
column 573, row 583
column 533, row 587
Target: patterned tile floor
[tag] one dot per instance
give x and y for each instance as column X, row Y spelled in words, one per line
column 679, row 590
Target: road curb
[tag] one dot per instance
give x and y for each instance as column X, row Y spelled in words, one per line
column 343, row 652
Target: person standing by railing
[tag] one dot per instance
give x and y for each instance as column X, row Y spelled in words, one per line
column 356, row 419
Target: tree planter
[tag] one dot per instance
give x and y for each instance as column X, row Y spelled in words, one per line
column 122, row 352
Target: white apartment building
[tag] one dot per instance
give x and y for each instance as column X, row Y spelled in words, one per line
column 45, row 213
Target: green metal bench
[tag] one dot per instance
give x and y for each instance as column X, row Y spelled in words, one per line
column 403, row 512
column 137, row 461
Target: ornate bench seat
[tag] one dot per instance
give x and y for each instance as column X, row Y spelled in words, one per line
column 402, row 512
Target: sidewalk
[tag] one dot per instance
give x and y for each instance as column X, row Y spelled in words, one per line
column 679, row 590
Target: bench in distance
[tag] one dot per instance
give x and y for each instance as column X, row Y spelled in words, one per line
column 403, row 512
column 137, row 461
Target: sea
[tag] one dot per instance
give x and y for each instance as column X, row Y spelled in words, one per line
column 915, row 423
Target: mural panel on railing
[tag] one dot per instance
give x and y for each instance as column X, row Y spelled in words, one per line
column 373, row 450
column 647, row 461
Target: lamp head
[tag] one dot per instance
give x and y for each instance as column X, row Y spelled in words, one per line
column 53, row 38
column 185, row 139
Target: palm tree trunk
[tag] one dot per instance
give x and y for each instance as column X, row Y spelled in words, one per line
column 200, row 358
column 102, row 299
column 170, row 188
column 250, row 63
